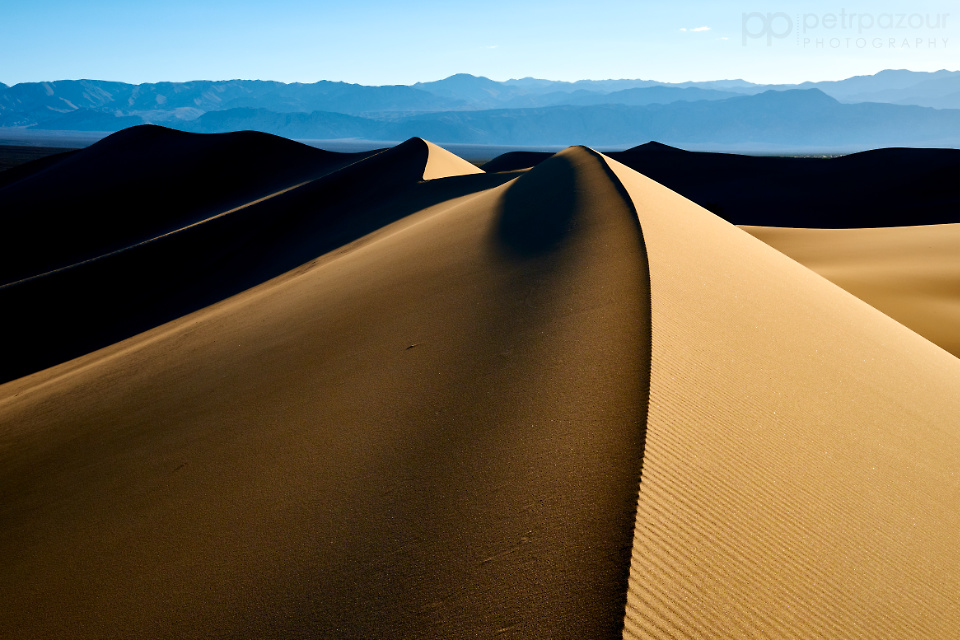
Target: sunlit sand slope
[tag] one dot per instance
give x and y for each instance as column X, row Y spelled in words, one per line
column 800, row 476
column 441, row 163
column 433, row 432
column 912, row 274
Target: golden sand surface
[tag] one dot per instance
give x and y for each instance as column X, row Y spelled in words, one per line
column 417, row 400
column 800, row 469
column 433, row 432
column 912, row 274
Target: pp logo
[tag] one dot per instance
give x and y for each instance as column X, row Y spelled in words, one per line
column 772, row 25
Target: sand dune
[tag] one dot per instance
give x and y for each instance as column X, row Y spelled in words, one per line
column 114, row 295
column 407, row 398
column 12, row 159
column 432, row 433
column 879, row 188
column 799, row 470
column 912, row 274
column 139, row 183
column 442, row 164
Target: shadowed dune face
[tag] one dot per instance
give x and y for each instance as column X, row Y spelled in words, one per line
column 140, row 183
column 418, row 435
column 537, row 216
column 124, row 292
column 17, row 163
column 514, row 160
column 912, row 274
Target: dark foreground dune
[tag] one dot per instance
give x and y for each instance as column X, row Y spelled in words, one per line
column 406, row 398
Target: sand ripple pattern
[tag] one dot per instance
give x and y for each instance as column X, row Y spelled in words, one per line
column 800, row 472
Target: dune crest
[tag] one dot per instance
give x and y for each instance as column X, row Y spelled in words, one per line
column 799, row 469
column 443, row 164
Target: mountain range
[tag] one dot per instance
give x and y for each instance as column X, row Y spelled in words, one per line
column 890, row 108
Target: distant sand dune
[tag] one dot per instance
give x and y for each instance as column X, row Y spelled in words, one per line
column 879, row 188
column 396, row 396
column 912, row 274
column 443, row 164
column 140, row 183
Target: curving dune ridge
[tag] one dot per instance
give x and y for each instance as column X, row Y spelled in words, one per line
column 799, row 470
column 407, row 398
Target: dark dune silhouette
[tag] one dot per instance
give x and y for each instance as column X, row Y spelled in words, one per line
column 515, row 161
column 20, row 170
column 12, row 156
column 881, row 188
column 124, row 291
column 139, row 183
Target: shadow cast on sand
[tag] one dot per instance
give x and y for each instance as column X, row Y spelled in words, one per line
column 536, row 215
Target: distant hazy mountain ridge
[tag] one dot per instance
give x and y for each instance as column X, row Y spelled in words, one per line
column 893, row 107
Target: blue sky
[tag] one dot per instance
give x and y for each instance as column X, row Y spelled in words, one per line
column 390, row 42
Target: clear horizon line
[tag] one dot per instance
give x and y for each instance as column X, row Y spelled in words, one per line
column 665, row 82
